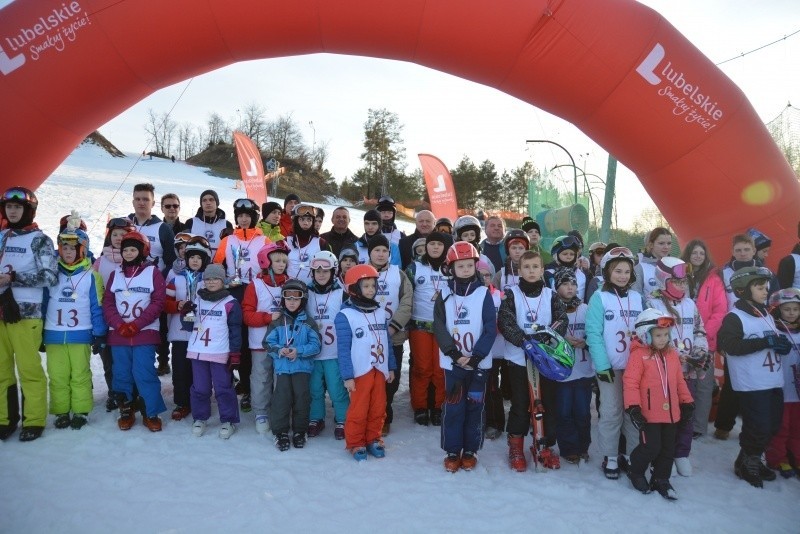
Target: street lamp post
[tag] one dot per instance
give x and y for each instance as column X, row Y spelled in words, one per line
column 574, row 167
column 313, row 140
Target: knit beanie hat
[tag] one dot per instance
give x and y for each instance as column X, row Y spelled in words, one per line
column 529, row 224
column 564, row 276
column 290, row 196
column 378, row 240
column 212, row 193
column 269, row 207
column 215, row 270
column 372, row 215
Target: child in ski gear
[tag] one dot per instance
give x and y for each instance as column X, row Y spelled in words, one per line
column 656, row 400
column 325, row 297
column 657, row 245
column 387, row 209
column 366, row 362
column 574, row 395
column 754, row 348
column 262, row 304
column 465, row 326
column 29, row 266
column 182, row 285
column 762, row 244
column 348, row 258
column 610, row 323
column 524, row 307
column 303, row 242
column 515, row 243
column 372, row 226
column 292, row 341
column 133, row 300
column 566, row 253
column 270, row 224
column 419, row 249
column 214, row 347
column 108, row 262
column 396, row 295
column 688, row 337
column 427, row 281
column 708, row 292
column 495, row 411
column 785, row 445
column 73, row 328
column 238, row 252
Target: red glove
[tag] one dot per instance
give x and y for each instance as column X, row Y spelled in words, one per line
column 128, row 330
column 234, row 360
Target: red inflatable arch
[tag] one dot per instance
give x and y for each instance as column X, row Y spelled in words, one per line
column 614, row 68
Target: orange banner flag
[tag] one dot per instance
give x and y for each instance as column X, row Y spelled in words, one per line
column 251, row 168
column 439, row 183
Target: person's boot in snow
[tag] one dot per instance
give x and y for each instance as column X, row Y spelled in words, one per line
column 315, row 427
column 62, row 420
column 282, row 441
column 338, row 431
column 639, row 482
column 748, row 470
column 516, row 456
column 6, row 431
column 452, row 462
column 299, row 440
column 665, row 489
column 468, row 461
column 79, row 420
column 153, row 424
column 436, row 417
column 684, row 466
column 31, row 433
column 127, row 417
column 421, row 417
column 611, row 468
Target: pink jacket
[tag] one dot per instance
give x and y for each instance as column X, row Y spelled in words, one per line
column 712, row 303
column 148, row 315
column 643, row 383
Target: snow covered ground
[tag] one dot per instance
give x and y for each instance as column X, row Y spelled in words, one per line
column 100, row 479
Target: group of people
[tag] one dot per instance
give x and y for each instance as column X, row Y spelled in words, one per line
column 269, row 315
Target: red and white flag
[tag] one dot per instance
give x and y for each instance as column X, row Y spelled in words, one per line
column 251, row 168
column 439, row 183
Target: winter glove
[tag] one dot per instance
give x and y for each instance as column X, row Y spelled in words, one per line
column 234, row 358
column 187, row 307
column 687, row 412
column 98, row 344
column 637, row 417
column 699, row 359
column 9, row 307
column 779, row 343
column 606, row 376
column 128, row 329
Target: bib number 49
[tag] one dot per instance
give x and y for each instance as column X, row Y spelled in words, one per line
column 773, row 361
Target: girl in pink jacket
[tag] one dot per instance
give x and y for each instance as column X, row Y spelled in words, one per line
column 656, row 399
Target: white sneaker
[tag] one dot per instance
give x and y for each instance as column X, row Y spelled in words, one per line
column 198, row 428
column 227, row 430
column 684, row 467
column 262, row 424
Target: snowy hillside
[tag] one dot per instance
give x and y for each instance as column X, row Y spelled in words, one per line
column 100, row 479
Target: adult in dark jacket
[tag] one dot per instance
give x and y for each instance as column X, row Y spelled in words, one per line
column 425, row 221
column 339, row 235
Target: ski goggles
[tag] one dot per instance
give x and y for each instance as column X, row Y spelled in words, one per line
column 21, row 195
column 678, row 271
column 661, row 322
column 620, row 252
column 69, row 238
column 321, row 263
column 570, row 242
column 119, row 222
column 182, row 238
column 292, row 294
column 245, row 204
column 304, row 210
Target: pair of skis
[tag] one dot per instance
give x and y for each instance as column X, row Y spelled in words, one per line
column 543, row 456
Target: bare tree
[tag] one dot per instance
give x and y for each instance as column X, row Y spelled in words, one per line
column 161, row 129
column 217, row 128
column 254, row 122
column 283, row 138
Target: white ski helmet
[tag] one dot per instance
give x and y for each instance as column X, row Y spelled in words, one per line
column 324, row 259
column 669, row 267
column 649, row 319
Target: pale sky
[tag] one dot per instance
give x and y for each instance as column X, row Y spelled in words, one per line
column 450, row 117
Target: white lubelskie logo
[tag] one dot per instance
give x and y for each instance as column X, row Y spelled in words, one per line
column 647, row 67
column 10, row 64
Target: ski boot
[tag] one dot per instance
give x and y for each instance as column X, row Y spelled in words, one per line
column 127, row 415
column 315, row 427
column 282, row 441
column 79, row 420
column 299, row 440
column 62, row 420
column 452, row 462
column 468, row 461
column 748, row 470
column 421, row 417
column 376, row 449
column 549, row 459
column 664, row 488
column 30, row 433
column 436, row 417
column 338, row 431
column 516, row 456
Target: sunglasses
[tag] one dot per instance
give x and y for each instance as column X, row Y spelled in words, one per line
column 171, row 206
column 321, row 263
column 245, row 203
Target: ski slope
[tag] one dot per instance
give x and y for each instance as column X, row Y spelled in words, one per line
column 100, row 479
